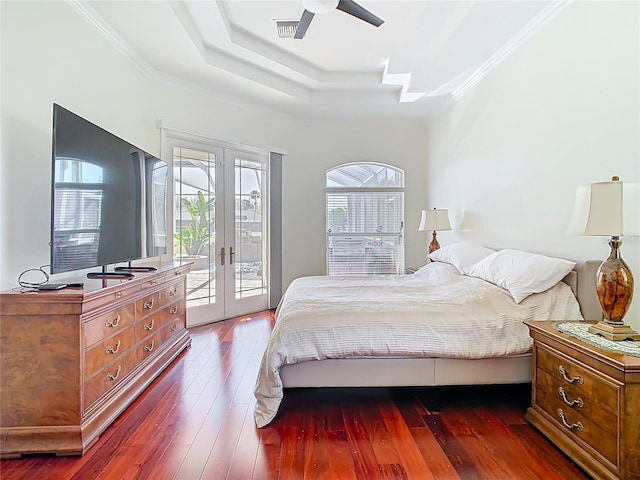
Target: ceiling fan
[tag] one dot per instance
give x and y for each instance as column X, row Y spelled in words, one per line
column 311, row 7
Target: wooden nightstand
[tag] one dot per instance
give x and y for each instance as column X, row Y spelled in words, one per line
column 586, row 400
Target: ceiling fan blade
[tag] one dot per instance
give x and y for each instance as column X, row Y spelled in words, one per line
column 305, row 20
column 352, row 8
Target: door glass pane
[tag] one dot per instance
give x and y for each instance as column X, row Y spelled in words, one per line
column 194, row 173
column 250, row 266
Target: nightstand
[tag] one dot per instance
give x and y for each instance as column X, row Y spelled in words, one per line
column 586, row 400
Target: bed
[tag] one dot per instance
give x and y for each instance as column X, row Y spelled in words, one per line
column 447, row 324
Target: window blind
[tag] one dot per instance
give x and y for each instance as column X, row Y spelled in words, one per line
column 365, row 231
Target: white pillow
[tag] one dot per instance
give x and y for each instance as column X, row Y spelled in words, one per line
column 461, row 255
column 521, row 273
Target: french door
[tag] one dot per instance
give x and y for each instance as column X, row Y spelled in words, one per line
column 220, row 225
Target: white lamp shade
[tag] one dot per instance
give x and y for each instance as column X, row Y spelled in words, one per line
column 320, row 6
column 605, row 209
column 436, row 219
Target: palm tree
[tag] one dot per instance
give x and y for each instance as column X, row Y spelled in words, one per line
column 193, row 238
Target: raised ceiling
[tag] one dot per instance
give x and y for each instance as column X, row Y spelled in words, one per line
column 426, row 55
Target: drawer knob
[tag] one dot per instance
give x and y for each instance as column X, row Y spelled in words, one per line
column 173, row 292
column 173, row 310
column 148, row 348
column 148, row 305
column 578, row 401
column 577, row 425
column 149, row 326
column 113, row 377
column 114, row 350
column 577, row 378
column 113, row 323
column 118, row 294
column 174, row 328
column 154, row 282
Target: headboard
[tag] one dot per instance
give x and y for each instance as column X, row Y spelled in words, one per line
column 582, row 281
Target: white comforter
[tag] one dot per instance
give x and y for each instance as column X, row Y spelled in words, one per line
column 436, row 313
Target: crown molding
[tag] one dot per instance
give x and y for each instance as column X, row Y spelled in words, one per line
column 94, row 18
column 539, row 21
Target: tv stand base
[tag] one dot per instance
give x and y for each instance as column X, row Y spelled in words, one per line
column 114, row 275
column 135, row 269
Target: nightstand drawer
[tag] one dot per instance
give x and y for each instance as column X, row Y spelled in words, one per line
column 598, row 428
column 570, row 398
column 574, row 424
column 577, row 380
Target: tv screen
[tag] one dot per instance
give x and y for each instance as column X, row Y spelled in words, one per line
column 109, row 197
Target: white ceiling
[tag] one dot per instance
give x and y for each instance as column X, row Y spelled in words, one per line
column 426, row 55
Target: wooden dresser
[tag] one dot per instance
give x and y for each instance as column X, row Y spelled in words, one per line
column 586, row 400
column 72, row 360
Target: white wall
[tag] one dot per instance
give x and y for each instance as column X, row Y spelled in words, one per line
column 324, row 145
column 51, row 54
column 562, row 110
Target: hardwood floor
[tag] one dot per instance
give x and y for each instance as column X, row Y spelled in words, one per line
column 196, row 422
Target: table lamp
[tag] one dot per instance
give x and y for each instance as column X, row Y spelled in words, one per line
column 598, row 211
column 436, row 219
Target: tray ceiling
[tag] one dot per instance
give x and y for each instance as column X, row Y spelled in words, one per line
column 426, row 55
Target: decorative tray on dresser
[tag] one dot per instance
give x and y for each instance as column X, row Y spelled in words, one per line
column 586, row 400
column 72, row 360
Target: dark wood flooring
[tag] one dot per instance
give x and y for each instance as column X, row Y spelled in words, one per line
column 196, row 422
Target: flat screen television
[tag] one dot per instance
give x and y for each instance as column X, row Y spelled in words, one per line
column 108, row 199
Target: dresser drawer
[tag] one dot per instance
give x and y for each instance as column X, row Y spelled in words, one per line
column 581, row 381
column 148, row 326
column 148, row 347
column 172, row 293
column 174, row 327
column 103, row 326
column 117, row 293
column 108, row 377
column 148, row 304
column 152, row 282
column 107, row 351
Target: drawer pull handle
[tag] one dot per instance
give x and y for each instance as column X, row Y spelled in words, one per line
column 173, row 309
column 578, row 401
column 111, row 378
column 114, row 350
column 149, row 326
column 149, row 305
column 563, row 372
column 173, row 292
column 154, row 282
column 118, row 294
column 148, row 348
column 577, row 425
column 174, row 328
column 114, row 323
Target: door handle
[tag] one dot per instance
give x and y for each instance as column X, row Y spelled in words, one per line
column 221, row 255
column 231, row 255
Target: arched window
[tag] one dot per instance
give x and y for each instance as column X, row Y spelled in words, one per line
column 365, row 219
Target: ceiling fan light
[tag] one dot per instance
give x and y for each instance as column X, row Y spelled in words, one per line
column 320, row 6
